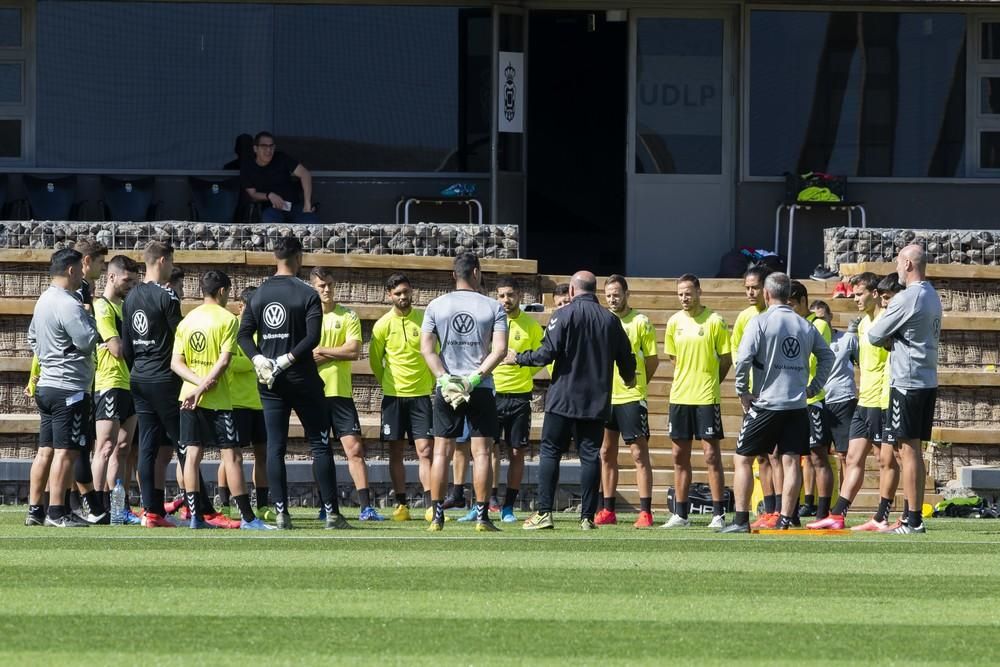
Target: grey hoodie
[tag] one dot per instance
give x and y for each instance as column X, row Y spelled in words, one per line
column 840, row 385
column 911, row 328
column 63, row 337
column 776, row 346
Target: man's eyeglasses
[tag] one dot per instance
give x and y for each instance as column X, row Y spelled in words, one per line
column 266, row 147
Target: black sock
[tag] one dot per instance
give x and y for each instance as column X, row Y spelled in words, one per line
column 682, row 509
column 916, row 519
column 96, row 502
column 451, row 491
column 823, row 507
column 364, row 497
column 45, row 499
column 106, row 498
column 427, row 499
column 74, row 500
column 769, row 504
column 810, row 500
column 482, row 511
column 741, row 518
column 460, row 492
column 883, row 509
column 262, row 497
column 57, row 511
column 401, row 499
column 645, row 504
column 511, row 497
column 840, row 509
column 718, row 508
column 193, row 502
column 159, row 495
column 906, row 507
column 438, row 512
column 224, row 496
column 494, row 493
column 785, row 520
column 246, row 509
column 777, row 503
column 609, row 503
column 36, row 510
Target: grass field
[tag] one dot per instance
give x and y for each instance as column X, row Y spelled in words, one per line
column 392, row 594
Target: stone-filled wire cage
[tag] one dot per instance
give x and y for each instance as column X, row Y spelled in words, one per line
column 422, row 239
column 848, row 245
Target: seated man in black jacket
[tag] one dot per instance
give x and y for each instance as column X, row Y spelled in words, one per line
column 279, row 182
column 585, row 341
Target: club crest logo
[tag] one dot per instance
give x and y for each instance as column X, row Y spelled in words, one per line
column 274, row 315
column 197, row 341
column 140, row 323
column 790, row 347
column 509, row 92
column 463, row 324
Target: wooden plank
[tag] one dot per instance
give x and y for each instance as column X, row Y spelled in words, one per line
column 968, row 378
column 966, row 436
column 974, row 271
column 15, row 365
column 33, row 256
column 520, row 266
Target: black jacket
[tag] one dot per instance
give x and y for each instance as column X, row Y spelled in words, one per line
column 585, row 341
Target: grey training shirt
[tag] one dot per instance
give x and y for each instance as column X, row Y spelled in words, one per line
column 911, row 328
column 840, row 385
column 63, row 337
column 464, row 322
column 775, row 348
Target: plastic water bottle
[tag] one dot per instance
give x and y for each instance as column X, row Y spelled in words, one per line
column 118, row 504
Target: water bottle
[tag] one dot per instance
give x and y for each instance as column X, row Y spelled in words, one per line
column 118, row 504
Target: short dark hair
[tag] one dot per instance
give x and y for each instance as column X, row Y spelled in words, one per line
column 690, row 278
column 562, row 289
column 176, row 274
column 214, row 280
column 246, row 295
column 616, row 278
column 508, row 281
column 889, row 285
column 324, row 273
column 395, row 280
column 242, row 144
column 90, row 248
column 62, row 260
column 264, row 134
column 286, row 247
column 798, row 291
column 758, row 271
column 819, row 304
column 156, row 250
column 867, row 280
column 123, row 263
column 465, row 264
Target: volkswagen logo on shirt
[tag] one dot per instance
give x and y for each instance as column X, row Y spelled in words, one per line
column 790, row 347
column 140, row 323
column 197, row 341
column 463, row 324
column 274, row 315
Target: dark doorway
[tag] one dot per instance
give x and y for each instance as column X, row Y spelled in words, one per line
column 577, row 122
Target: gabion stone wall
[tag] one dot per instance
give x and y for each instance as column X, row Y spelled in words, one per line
column 852, row 244
column 421, row 239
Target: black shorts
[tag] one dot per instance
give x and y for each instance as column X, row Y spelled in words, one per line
column 344, row 418
column 888, row 437
column 838, row 420
column 514, row 419
column 208, row 428
column 481, row 411
column 762, row 430
column 114, row 405
column 66, row 418
column 696, row 422
column 407, row 417
column 250, row 427
column 819, row 430
column 911, row 413
column 867, row 423
column 629, row 419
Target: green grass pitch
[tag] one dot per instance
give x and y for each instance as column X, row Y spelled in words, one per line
column 391, row 594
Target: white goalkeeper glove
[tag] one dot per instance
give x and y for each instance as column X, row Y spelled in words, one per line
column 452, row 390
column 265, row 369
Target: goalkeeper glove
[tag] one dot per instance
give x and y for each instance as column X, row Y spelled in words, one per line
column 283, row 362
column 852, row 328
column 265, row 370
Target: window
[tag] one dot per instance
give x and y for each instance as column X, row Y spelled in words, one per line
column 169, row 85
column 986, row 120
column 878, row 94
column 14, row 102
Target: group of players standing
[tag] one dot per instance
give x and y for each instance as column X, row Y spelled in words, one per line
column 460, row 376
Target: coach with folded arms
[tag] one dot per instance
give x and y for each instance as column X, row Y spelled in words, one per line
column 776, row 347
column 586, row 341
